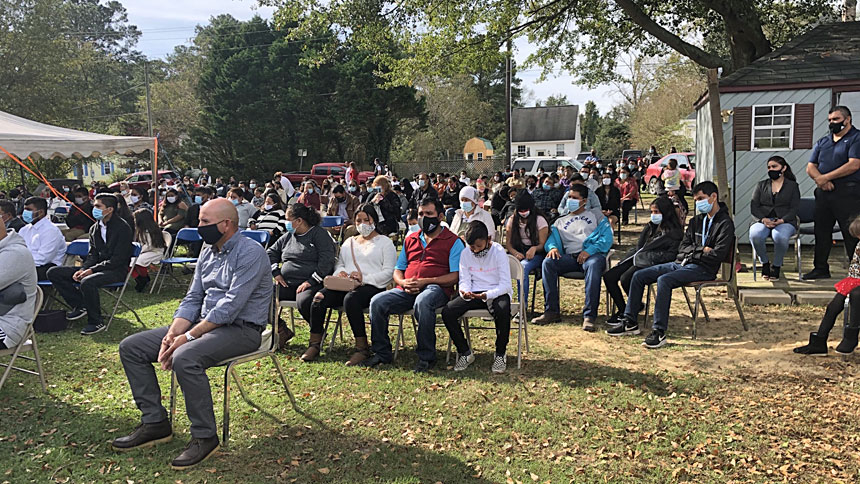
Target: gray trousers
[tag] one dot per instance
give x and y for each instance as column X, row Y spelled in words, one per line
column 139, row 351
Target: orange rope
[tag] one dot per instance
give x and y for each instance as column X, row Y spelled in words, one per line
column 58, row 193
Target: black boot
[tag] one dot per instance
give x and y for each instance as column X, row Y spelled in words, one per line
column 140, row 283
column 774, row 273
column 849, row 341
column 765, row 270
column 145, row 435
column 817, row 346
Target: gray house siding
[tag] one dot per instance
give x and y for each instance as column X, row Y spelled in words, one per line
column 752, row 164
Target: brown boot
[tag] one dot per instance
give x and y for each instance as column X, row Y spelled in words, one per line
column 362, row 352
column 313, row 348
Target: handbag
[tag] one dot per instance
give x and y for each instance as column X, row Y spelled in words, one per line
column 343, row 284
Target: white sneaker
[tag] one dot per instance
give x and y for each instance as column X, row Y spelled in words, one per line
column 463, row 361
column 500, row 364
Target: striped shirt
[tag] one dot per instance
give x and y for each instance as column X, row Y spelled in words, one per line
column 274, row 221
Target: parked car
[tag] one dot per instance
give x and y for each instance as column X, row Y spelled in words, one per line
column 549, row 163
column 631, row 155
column 686, row 163
column 143, row 179
column 582, row 156
column 321, row 171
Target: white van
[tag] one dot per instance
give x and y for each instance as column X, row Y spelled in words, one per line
column 549, row 163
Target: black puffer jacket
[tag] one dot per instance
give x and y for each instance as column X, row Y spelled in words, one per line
column 721, row 239
column 655, row 246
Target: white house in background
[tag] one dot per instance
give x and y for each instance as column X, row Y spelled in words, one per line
column 545, row 131
column 687, row 127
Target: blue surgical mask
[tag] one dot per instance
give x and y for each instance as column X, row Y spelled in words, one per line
column 656, row 218
column 198, row 199
column 310, row 190
column 467, row 206
column 353, row 189
column 289, row 227
column 704, row 206
column 98, row 214
column 414, row 228
column 27, row 215
column 572, row 204
column 546, row 187
column 421, row 183
column 234, row 201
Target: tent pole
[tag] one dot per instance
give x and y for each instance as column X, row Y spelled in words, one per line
column 152, row 162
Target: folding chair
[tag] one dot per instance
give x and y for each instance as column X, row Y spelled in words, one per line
column 400, row 339
column 27, row 344
column 122, row 287
column 260, row 236
column 76, row 248
column 330, row 221
column 268, row 347
column 517, row 310
column 187, row 234
column 728, row 267
column 581, row 277
column 60, row 213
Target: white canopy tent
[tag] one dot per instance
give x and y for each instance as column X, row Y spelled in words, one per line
column 23, row 137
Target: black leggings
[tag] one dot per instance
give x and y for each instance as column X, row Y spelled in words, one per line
column 500, row 308
column 353, row 302
column 626, row 205
column 617, row 278
column 303, row 299
column 834, row 309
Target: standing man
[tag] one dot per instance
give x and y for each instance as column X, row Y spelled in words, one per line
column 425, row 274
column 204, row 178
column 110, row 254
column 43, row 238
column 834, row 167
column 221, row 317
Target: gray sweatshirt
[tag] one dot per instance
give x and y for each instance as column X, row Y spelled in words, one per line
column 304, row 258
column 17, row 266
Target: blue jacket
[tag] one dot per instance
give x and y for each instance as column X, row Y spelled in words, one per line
column 598, row 242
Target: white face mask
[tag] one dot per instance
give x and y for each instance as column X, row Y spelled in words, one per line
column 607, row 181
column 365, row 229
column 171, row 199
column 268, row 207
column 134, row 199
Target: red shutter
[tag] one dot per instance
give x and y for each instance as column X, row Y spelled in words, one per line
column 804, row 115
column 742, row 128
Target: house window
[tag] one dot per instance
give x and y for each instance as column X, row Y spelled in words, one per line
column 772, row 127
column 559, row 149
column 521, row 150
column 107, row 168
column 480, row 156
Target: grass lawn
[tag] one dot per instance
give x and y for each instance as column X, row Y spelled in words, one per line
column 732, row 406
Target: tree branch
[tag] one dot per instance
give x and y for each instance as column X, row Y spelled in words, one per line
column 696, row 54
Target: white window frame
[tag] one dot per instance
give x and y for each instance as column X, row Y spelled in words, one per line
column 521, row 150
column 480, row 156
column 559, row 152
column 789, row 126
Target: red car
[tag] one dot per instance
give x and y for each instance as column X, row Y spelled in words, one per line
column 320, row 171
column 143, row 179
column 686, row 163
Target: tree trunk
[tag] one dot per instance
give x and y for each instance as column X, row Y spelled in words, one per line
column 719, row 144
column 744, row 32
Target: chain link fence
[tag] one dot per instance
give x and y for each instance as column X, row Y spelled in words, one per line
column 486, row 166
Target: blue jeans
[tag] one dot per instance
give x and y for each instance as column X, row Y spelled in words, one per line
column 593, row 269
column 528, row 267
column 449, row 215
column 397, row 301
column 780, row 235
column 667, row 276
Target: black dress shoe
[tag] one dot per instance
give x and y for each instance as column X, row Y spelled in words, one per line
column 373, row 362
column 196, row 452
column 145, row 435
column 424, row 366
column 816, row 274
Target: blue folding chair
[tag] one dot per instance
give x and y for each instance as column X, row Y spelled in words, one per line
column 77, row 248
column 122, row 286
column 330, row 221
column 187, row 235
column 260, row 236
column 60, row 213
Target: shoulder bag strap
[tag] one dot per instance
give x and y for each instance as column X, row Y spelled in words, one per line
column 354, row 259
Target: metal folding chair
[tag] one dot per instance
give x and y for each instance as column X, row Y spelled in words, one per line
column 187, row 234
column 517, row 310
column 27, row 344
column 122, row 287
column 268, row 347
column 260, row 236
column 76, row 248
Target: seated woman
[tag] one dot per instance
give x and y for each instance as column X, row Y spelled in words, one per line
column 368, row 259
column 846, row 288
column 306, row 254
column 172, row 214
column 610, row 199
column 271, row 217
column 139, row 199
column 469, row 211
column 658, row 243
column 388, row 204
column 497, row 204
column 450, row 198
column 153, row 242
column 310, row 196
column 774, row 204
column 527, row 241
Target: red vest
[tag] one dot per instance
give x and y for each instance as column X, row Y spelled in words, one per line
column 432, row 260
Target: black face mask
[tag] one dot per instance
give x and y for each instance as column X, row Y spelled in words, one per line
column 836, row 127
column 428, row 224
column 340, row 199
column 774, row 174
column 210, row 233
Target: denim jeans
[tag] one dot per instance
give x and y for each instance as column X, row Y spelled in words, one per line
column 780, row 235
column 668, row 277
column 397, row 301
column 593, row 269
column 528, row 267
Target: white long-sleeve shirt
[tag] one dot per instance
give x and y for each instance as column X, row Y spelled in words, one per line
column 490, row 274
column 288, row 187
column 45, row 241
column 376, row 258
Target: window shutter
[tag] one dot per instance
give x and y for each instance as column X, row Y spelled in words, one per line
column 742, row 128
column 804, row 115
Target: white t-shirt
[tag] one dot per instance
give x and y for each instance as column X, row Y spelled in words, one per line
column 575, row 228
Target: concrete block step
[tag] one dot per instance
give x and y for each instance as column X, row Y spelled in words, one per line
column 751, row 297
column 813, row 298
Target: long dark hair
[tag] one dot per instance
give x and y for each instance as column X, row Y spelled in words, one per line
column 144, row 223
column 309, row 215
column 788, row 173
column 670, row 216
column 370, row 210
column 525, row 201
column 278, row 204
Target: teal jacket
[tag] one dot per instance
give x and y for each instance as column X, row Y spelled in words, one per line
column 598, row 242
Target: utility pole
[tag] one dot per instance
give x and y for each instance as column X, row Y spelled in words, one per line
column 508, row 102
